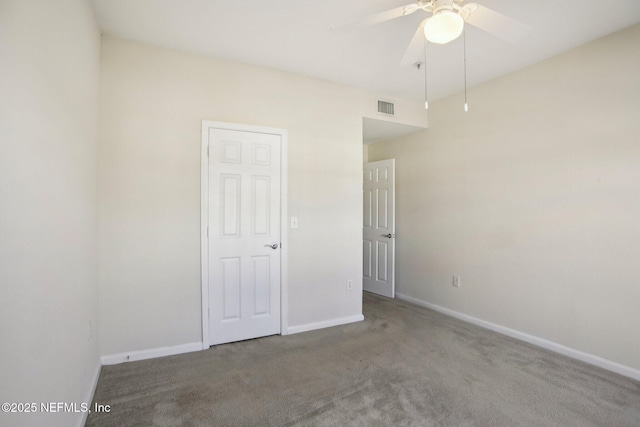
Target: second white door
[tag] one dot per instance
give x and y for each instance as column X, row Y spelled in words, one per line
column 244, row 234
column 379, row 228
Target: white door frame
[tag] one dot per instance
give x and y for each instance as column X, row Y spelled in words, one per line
column 204, row 220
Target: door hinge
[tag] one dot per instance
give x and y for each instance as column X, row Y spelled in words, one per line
column 207, row 232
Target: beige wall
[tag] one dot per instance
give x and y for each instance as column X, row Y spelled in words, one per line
column 533, row 198
column 153, row 101
column 49, row 53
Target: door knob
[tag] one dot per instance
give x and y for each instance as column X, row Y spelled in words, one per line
column 272, row 246
column 388, row 236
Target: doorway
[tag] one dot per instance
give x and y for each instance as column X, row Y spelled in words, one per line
column 243, row 232
column 378, row 269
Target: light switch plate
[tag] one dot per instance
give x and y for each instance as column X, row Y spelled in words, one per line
column 294, row 222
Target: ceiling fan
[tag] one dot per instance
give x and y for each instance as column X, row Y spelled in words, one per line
column 446, row 23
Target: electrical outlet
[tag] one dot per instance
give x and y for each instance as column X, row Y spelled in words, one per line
column 456, row 281
column 349, row 285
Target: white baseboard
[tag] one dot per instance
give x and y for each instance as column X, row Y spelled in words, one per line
column 531, row 339
column 324, row 324
column 89, row 395
column 113, row 359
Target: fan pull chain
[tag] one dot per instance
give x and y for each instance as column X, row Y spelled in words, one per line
column 426, row 86
column 464, row 41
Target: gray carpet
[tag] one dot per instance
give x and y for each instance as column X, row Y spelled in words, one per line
column 403, row 366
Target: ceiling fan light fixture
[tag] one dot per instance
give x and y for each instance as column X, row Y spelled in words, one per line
column 443, row 27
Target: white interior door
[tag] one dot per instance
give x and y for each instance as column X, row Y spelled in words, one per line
column 244, row 234
column 379, row 228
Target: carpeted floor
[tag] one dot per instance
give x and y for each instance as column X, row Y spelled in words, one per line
column 403, row 366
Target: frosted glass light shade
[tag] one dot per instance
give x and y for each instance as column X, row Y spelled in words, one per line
column 443, row 27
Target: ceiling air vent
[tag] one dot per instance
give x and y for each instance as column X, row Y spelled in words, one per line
column 387, row 108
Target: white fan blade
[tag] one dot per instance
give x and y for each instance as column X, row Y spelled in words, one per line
column 415, row 50
column 495, row 23
column 380, row 17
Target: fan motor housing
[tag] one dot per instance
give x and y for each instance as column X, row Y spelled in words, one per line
column 439, row 4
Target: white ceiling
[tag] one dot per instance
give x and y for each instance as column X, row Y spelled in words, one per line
column 297, row 36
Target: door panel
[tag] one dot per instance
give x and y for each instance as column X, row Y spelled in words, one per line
column 230, row 212
column 230, row 288
column 244, row 218
column 260, row 205
column 367, row 246
column 382, row 196
column 379, row 228
column 261, row 284
column 383, row 254
column 368, row 207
